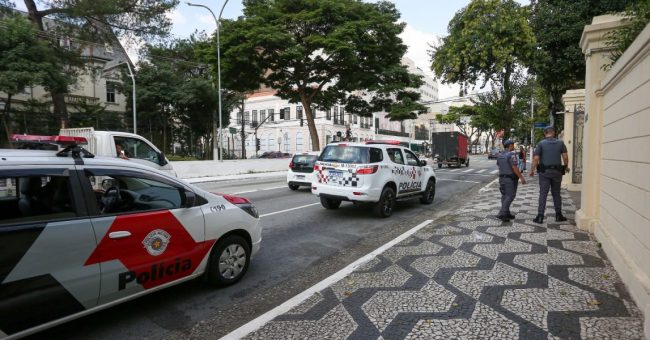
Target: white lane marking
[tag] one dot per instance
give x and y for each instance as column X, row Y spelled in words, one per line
column 485, row 188
column 281, row 211
column 453, row 170
column 468, row 170
column 256, row 190
column 457, row 180
column 494, row 172
column 479, row 171
column 261, row 320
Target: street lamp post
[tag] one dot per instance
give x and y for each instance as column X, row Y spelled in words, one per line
column 216, row 21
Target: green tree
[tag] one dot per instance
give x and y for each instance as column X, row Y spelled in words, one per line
column 92, row 21
column 489, row 41
column 322, row 52
column 24, row 61
column 620, row 39
column 558, row 61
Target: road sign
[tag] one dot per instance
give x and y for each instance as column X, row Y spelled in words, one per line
column 540, row 125
column 232, row 130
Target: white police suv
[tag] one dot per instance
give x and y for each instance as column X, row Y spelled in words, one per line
column 301, row 170
column 375, row 171
column 69, row 248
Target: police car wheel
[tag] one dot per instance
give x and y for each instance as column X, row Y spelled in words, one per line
column 429, row 194
column 384, row 208
column 229, row 261
column 294, row 186
column 330, row 203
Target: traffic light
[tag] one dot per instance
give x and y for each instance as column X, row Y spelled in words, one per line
column 301, row 122
column 257, row 144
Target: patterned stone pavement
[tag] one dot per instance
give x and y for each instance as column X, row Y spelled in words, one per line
column 475, row 278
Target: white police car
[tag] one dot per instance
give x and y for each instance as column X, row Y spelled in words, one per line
column 376, row 171
column 301, row 170
column 69, row 249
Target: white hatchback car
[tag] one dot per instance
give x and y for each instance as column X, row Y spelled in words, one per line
column 301, row 170
column 379, row 172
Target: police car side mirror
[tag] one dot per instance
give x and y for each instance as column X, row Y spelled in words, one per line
column 423, row 162
column 162, row 161
column 189, row 198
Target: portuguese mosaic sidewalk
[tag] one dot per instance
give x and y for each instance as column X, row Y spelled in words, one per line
column 475, row 277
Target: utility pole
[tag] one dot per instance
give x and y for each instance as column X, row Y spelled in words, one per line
column 532, row 127
column 243, row 134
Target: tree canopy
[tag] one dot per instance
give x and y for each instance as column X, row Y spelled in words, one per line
column 324, row 52
column 489, row 41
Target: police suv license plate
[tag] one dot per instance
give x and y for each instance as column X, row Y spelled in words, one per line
column 300, row 176
column 335, row 174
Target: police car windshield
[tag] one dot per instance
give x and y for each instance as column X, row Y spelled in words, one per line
column 350, row 154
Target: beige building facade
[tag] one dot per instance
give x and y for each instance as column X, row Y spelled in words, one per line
column 615, row 196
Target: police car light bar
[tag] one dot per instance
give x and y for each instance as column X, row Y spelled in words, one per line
column 57, row 140
column 391, row 142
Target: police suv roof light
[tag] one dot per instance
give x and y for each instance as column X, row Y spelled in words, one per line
column 56, row 140
column 391, row 142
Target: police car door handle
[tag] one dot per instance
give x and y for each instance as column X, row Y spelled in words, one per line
column 119, row 234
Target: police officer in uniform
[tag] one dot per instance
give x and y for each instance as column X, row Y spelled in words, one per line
column 549, row 155
column 509, row 175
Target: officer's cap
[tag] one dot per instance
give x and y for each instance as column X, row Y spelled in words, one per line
column 507, row 143
column 549, row 128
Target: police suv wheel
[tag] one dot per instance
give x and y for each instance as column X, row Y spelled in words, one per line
column 330, row 203
column 293, row 186
column 229, row 261
column 386, row 204
column 430, row 193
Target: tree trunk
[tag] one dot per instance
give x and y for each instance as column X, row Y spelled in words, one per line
column 58, row 97
column 507, row 97
column 313, row 133
column 5, row 122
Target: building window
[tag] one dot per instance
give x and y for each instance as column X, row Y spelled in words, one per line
column 298, row 112
column 287, row 142
column 271, row 115
column 110, row 92
column 299, row 142
column 254, row 122
column 287, row 113
column 328, row 114
column 247, row 117
column 336, row 114
column 262, row 116
column 342, row 115
column 355, row 117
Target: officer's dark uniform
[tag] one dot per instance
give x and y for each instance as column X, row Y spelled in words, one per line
column 550, row 170
column 508, row 181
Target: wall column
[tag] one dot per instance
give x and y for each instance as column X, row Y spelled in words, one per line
column 596, row 51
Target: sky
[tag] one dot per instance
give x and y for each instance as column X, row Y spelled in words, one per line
column 426, row 21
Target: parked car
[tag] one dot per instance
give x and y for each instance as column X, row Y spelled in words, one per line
column 377, row 172
column 301, row 170
column 494, row 153
column 70, row 249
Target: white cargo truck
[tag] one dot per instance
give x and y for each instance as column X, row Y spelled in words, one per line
column 133, row 147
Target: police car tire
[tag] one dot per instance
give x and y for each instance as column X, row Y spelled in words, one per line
column 380, row 207
column 294, row 186
column 428, row 198
column 330, row 203
column 214, row 275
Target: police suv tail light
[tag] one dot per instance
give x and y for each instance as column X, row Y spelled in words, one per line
column 367, row 170
column 317, row 167
column 242, row 203
column 291, row 165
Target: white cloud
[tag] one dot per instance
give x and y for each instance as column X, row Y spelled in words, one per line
column 419, row 44
column 176, row 17
column 208, row 20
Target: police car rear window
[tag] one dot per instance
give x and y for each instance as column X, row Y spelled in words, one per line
column 305, row 159
column 351, row 154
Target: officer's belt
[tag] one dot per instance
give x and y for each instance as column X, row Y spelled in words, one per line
column 509, row 176
column 554, row 167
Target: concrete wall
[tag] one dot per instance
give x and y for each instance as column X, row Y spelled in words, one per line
column 571, row 98
column 195, row 169
column 616, row 186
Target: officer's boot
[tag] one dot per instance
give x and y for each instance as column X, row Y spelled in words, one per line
column 559, row 218
column 539, row 219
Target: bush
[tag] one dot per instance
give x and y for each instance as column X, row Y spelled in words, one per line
column 176, row 158
column 620, row 39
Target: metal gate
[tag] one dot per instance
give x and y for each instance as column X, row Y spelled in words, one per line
column 578, row 140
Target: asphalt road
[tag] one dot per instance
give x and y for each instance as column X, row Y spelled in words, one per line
column 300, row 247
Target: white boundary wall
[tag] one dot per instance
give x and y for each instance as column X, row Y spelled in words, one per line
column 195, row 169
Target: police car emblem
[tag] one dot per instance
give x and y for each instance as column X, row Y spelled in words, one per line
column 156, row 242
